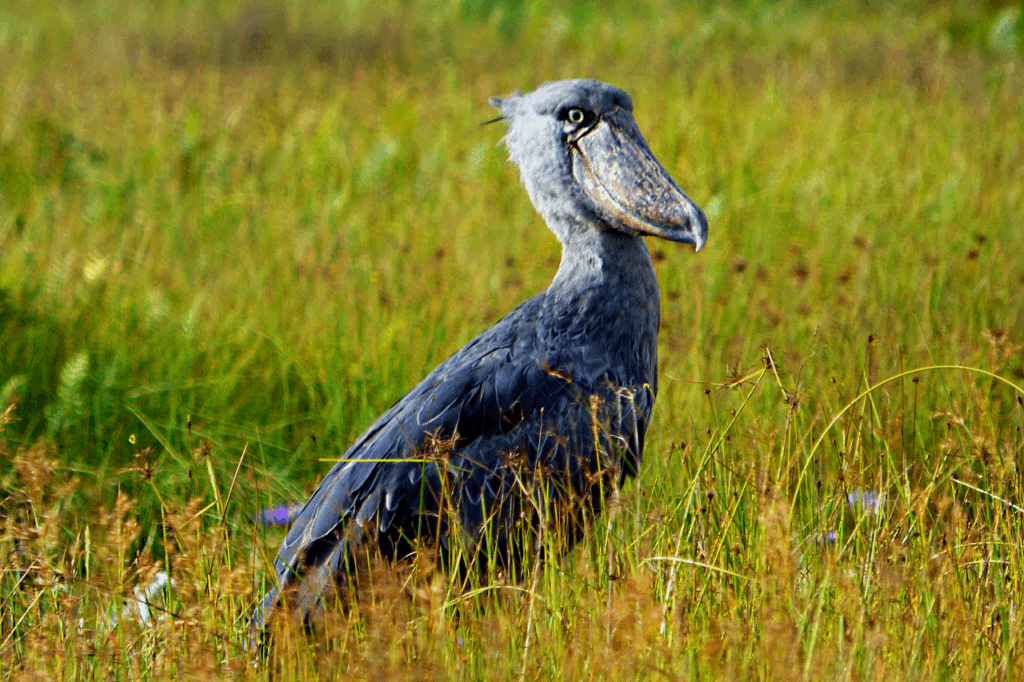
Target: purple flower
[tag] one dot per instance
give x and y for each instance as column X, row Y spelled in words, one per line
column 281, row 515
column 867, row 500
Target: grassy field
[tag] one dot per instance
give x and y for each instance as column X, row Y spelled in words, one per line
column 232, row 234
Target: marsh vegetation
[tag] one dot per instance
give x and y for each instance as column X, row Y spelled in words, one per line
column 233, row 234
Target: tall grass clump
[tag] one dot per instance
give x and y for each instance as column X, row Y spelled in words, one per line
column 231, row 234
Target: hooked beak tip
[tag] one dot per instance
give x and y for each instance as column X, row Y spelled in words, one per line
column 701, row 233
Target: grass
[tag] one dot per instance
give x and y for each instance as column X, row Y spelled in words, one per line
column 231, row 235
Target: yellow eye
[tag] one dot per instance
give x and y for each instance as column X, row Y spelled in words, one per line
column 576, row 116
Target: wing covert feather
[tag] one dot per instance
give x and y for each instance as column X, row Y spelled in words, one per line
column 467, row 394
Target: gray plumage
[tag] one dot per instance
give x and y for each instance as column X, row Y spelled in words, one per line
column 560, row 391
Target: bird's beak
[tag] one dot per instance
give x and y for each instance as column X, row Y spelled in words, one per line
column 630, row 187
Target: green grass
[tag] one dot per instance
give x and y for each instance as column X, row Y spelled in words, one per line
column 231, row 235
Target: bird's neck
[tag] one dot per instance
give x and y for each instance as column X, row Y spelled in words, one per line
column 603, row 263
column 605, row 295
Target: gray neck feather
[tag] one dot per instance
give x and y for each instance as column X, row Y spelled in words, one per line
column 596, row 257
column 604, row 275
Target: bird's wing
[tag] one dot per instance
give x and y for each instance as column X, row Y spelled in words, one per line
column 480, row 392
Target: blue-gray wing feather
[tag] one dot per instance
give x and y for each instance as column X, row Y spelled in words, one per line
column 492, row 397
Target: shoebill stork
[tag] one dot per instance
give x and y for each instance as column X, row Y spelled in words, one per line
column 545, row 412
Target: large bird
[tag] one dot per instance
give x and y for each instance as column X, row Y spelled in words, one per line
column 538, row 418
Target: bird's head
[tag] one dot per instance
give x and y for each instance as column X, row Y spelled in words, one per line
column 584, row 161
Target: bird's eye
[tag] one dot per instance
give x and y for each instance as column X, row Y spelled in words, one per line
column 576, row 116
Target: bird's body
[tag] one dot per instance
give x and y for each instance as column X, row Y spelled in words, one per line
column 542, row 412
